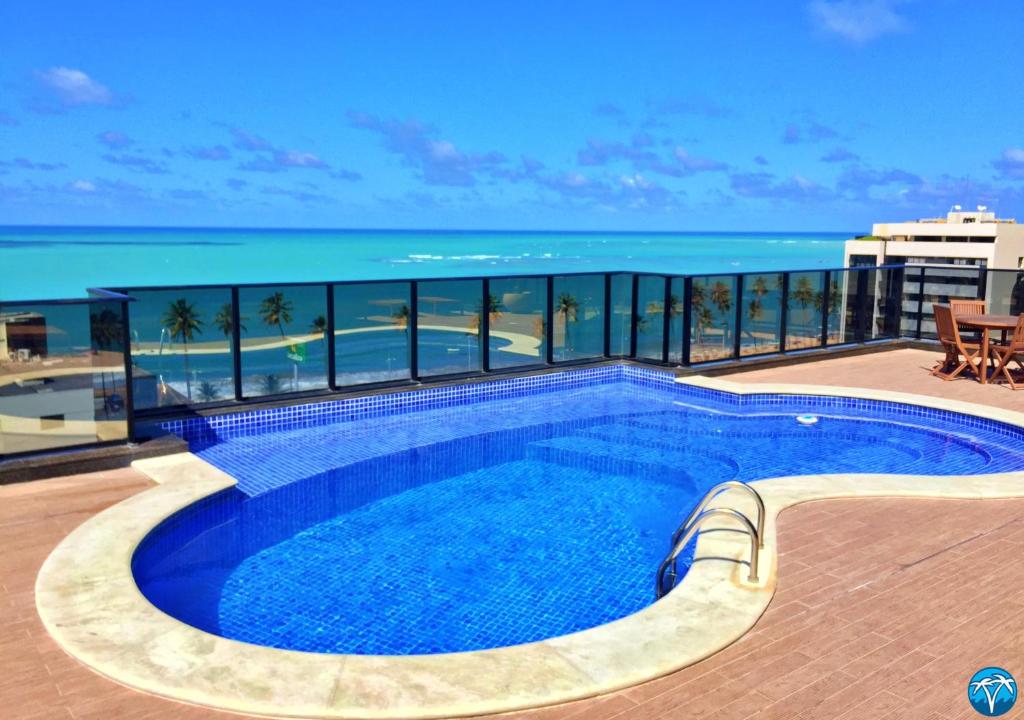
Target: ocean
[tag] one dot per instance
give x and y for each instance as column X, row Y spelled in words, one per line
column 61, row 262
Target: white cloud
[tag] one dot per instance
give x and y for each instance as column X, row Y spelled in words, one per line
column 858, row 21
column 82, row 186
column 294, row 158
column 73, row 87
column 1011, row 164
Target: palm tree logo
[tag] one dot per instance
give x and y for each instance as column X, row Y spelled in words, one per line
column 992, row 691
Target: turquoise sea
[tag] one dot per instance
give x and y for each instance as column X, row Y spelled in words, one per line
column 61, row 262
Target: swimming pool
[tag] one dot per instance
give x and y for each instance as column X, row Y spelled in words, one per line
column 483, row 516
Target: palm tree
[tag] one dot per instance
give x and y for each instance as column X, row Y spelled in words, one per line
column 803, row 294
column 675, row 306
column 276, row 310
column 567, row 307
column 704, row 318
column 401, row 318
column 208, row 392
column 494, row 310
column 721, row 297
column 320, row 326
column 834, row 301
column 224, row 320
column 270, row 384
column 755, row 310
column 698, row 296
column 183, row 323
column 107, row 331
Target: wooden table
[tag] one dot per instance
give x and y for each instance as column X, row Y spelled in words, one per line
column 987, row 323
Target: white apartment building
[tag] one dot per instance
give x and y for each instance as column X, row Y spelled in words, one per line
column 953, row 256
column 963, row 237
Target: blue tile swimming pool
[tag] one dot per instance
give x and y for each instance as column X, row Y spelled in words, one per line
column 479, row 516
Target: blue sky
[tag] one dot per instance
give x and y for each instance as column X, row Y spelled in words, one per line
column 796, row 115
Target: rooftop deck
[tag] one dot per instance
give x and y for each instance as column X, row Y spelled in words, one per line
column 893, row 631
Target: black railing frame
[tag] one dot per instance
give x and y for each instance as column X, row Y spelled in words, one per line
column 862, row 315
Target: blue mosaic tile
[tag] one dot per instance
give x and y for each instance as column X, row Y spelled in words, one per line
column 500, row 513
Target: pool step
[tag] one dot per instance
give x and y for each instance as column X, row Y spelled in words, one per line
column 682, row 442
column 688, row 469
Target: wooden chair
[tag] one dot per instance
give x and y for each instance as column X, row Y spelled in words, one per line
column 1011, row 351
column 960, row 355
column 960, row 306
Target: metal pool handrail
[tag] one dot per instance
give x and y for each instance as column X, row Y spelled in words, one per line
column 665, row 579
column 715, row 492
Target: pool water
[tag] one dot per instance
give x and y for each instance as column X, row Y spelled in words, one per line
column 500, row 522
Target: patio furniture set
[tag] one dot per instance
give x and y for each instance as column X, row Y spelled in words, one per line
column 965, row 330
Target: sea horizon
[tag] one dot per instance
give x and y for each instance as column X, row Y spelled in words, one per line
column 164, row 255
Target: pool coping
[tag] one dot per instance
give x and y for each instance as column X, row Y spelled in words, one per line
column 88, row 600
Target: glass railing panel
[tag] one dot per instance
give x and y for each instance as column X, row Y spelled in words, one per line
column 518, row 322
column 449, row 326
column 62, row 376
column 1005, row 292
column 283, row 338
column 622, row 313
column 851, row 316
column 885, row 322
column 578, row 314
column 803, row 312
column 181, row 347
column 942, row 283
column 841, row 291
column 650, row 314
column 909, row 302
column 713, row 318
column 371, row 336
column 762, row 314
column 675, row 327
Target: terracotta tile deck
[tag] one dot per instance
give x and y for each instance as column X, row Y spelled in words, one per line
column 885, row 607
column 904, row 370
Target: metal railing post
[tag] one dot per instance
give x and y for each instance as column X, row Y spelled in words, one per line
column 607, row 315
column 826, row 290
column 666, row 320
column 549, row 322
column 129, row 381
column 784, row 311
column 920, row 303
column 413, row 326
column 331, row 358
column 687, row 318
column 236, row 345
column 738, row 331
column 634, row 315
column 484, row 329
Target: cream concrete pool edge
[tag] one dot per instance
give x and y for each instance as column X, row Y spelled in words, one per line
column 88, row 600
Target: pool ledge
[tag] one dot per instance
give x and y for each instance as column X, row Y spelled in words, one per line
column 89, row 602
